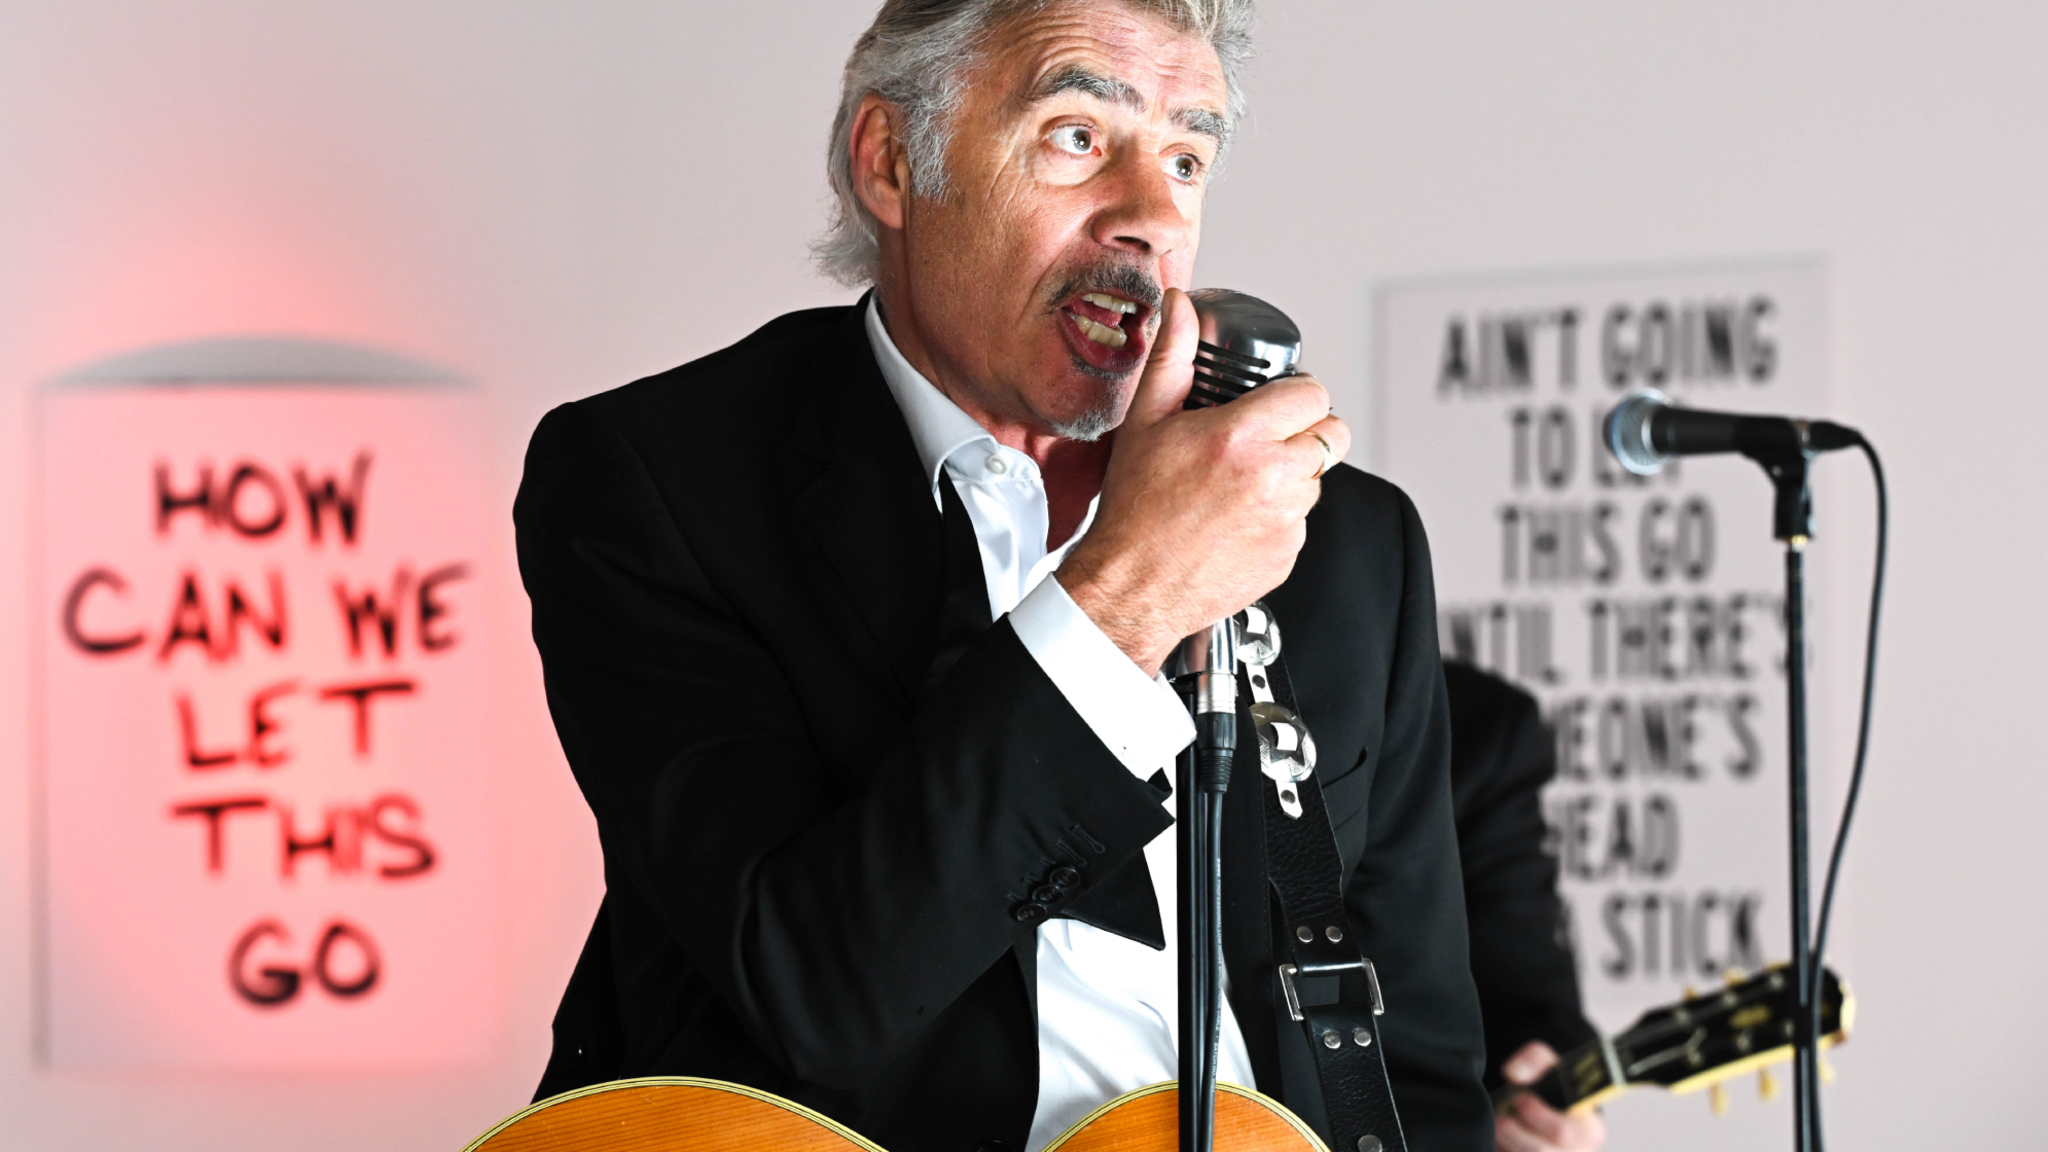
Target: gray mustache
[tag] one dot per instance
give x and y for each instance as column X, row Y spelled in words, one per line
column 1125, row 280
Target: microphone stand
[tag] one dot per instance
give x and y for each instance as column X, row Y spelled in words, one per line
column 1792, row 523
column 1204, row 671
column 1785, row 449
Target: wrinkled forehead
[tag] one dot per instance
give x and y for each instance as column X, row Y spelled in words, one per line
column 1109, row 52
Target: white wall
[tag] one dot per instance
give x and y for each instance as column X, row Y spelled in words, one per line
column 553, row 198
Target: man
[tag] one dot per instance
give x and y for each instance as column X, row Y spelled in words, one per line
column 852, row 630
column 1501, row 756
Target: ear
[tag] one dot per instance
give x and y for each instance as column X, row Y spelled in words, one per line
column 881, row 167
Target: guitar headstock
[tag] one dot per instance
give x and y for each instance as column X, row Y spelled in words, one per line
column 1705, row 1039
column 1695, row 1043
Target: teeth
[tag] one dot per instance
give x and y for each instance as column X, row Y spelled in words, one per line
column 1112, row 303
column 1100, row 333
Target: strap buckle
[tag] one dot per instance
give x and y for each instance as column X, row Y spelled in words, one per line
column 1372, row 979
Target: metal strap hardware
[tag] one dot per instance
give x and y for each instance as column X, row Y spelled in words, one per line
column 1289, row 971
column 1287, row 753
column 1306, row 873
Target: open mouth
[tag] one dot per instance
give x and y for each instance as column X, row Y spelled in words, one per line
column 1106, row 330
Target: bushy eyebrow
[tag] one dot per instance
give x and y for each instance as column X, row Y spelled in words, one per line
column 1205, row 122
column 1080, row 78
column 1110, row 90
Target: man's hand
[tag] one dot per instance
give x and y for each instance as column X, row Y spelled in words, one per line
column 1530, row 1125
column 1202, row 512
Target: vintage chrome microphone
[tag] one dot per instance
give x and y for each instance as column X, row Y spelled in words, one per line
column 1244, row 342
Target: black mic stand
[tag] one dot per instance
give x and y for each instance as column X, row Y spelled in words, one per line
column 1204, row 671
column 1792, row 522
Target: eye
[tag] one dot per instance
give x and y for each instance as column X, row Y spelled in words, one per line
column 1077, row 139
column 1184, row 167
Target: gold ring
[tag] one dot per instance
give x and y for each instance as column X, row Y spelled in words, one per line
column 1329, row 456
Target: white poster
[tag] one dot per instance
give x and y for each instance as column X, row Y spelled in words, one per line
column 1645, row 614
column 264, row 800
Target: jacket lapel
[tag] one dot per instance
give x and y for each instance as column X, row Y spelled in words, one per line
column 914, row 576
column 963, row 611
column 869, row 507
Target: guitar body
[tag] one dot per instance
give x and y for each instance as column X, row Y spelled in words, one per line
column 668, row 1114
column 681, row 1114
column 1148, row 1120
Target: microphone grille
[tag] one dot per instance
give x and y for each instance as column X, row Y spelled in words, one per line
column 1243, row 342
column 1222, row 375
column 1628, row 432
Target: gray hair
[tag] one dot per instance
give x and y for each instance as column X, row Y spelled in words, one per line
column 915, row 56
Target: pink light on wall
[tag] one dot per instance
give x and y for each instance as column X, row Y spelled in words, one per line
column 264, row 825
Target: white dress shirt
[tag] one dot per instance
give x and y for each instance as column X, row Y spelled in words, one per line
column 1108, row 1007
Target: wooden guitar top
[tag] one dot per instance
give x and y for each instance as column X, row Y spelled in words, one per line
column 1148, row 1120
column 684, row 1114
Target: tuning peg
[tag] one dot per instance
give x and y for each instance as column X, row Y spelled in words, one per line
column 1827, row 1071
column 1689, row 994
column 1766, row 1084
column 1718, row 1098
column 1732, row 976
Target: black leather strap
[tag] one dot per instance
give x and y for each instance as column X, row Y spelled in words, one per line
column 1318, row 939
column 1356, row 1094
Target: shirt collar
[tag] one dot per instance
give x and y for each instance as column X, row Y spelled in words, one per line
column 937, row 425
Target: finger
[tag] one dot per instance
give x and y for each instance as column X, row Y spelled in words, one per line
column 1306, row 455
column 1542, row 1119
column 1284, row 407
column 1170, row 368
column 1530, row 1061
column 1337, row 433
column 1510, row 1135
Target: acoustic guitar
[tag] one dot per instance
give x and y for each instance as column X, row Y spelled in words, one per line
column 1694, row 1044
column 681, row 1114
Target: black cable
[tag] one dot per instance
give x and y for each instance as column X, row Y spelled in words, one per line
column 1827, row 899
column 1204, row 1137
column 1212, row 944
column 1190, row 816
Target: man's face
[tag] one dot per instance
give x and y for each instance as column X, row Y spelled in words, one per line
column 1077, row 167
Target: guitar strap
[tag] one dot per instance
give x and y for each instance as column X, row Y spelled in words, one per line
column 1303, row 866
column 1306, row 874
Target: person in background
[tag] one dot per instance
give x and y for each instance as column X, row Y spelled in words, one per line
column 1501, row 756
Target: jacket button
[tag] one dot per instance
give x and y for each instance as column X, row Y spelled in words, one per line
column 1045, row 894
column 1029, row 913
column 1065, row 877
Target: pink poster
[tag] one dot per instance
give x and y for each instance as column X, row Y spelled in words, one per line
column 263, row 649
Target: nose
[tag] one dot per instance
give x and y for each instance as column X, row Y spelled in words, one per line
column 1139, row 213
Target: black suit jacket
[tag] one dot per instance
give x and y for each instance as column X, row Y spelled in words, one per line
column 821, row 804
column 1501, row 756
